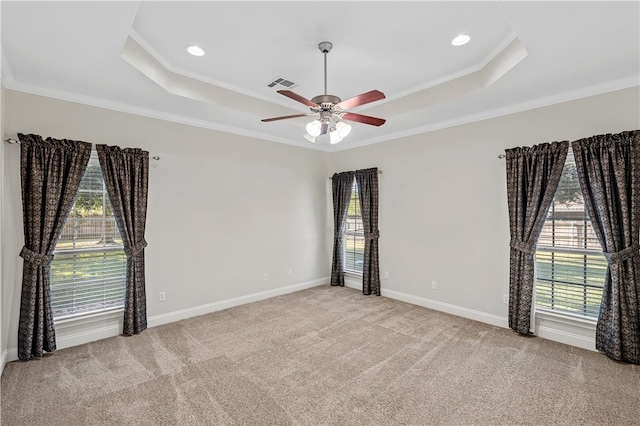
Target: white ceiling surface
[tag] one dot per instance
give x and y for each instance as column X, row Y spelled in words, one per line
column 130, row 56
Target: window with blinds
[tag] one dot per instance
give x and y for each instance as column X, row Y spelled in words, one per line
column 353, row 234
column 89, row 265
column 570, row 266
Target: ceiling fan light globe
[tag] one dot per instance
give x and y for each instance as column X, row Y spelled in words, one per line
column 343, row 129
column 334, row 137
column 310, row 138
column 314, row 128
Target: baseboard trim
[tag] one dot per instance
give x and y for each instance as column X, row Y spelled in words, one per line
column 90, row 329
column 112, row 324
column 567, row 338
column 11, row 354
column 113, row 328
column 448, row 308
column 498, row 321
column 174, row 316
column 3, row 360
column 80, row 338
column 545, row 332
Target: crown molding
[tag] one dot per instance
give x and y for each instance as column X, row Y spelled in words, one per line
column 599, row 89
column 11, row 84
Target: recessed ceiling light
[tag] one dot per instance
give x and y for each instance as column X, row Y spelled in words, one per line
column 461, row 39
column 195, row 50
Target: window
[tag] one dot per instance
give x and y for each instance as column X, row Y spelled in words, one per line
column 354, row 234
column 570, row 266
column 88, row 271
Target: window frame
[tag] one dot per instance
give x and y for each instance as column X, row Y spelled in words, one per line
column 593, row 260
column 70, row 254
column 350, row 254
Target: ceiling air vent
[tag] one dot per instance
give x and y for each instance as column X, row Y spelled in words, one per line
column 281, row 83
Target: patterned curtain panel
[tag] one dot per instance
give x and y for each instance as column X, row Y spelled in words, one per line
column 609, row 173
column 50, row 173
column 341, row 187
column 126, row 176
column 367, row 181
column 533, row 175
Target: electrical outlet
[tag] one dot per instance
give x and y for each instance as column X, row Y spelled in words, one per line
column 162, row 296
column 386, row 275
column 290, row 272
column 434, row 285
column 265, row 277
column 505, row 299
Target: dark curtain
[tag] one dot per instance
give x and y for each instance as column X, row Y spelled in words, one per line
column 533, row 175
column 367, row 181
column 609, row 173
column 50, row 173
column 341, row 188
column 126, row 176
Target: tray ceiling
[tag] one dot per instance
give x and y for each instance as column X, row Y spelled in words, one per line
column 131, row 56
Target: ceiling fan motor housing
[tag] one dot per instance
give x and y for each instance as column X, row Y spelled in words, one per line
column 326, row 99
column 329, row 106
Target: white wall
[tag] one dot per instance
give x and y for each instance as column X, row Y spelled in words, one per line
column 222, row 211
column 443, row 203
column 3, row 343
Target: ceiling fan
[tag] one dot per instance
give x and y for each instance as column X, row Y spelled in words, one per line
column 331, row 109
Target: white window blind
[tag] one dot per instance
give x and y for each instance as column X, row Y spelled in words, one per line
column 354, row 234
column 570, row 266
column 89, row 266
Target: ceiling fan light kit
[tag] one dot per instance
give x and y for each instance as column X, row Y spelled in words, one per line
column 343, row 128
column 314, row 128
column 330, row 109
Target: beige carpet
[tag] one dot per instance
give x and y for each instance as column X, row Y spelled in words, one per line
column 322, row 356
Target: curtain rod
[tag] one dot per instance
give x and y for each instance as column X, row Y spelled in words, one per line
column 13, row 141
column 379, row 172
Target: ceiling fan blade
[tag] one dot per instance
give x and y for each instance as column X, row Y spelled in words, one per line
column 296, row 97
column 365, row 98
column 284, row 117
column 366, row 119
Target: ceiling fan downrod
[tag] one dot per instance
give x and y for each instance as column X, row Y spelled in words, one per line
column 325, row 47
column 331, row 107
column 326, row 99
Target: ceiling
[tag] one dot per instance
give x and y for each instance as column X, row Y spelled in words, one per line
column 131, row 57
